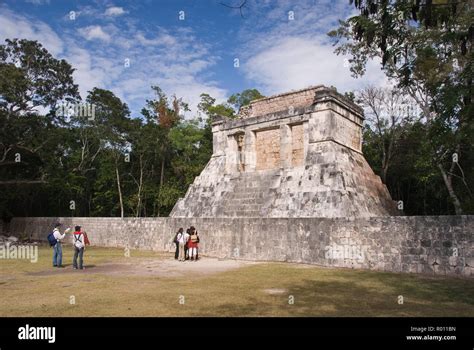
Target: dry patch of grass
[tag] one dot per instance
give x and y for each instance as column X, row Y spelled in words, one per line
column 152, row 284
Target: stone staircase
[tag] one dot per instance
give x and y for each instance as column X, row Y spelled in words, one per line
column 252, row 194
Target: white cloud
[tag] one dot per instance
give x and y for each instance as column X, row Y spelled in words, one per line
column 90, row 71
column 160, row 39
column 279, row 54
column 15, row 26
column 296, row 62
column 94, row 32
column 174, row 61
column 177, row 61
column 115, row 11
column 38, row 2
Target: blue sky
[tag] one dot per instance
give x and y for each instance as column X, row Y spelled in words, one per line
column 277, row 50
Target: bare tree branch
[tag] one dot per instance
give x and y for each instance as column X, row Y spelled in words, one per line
column 239, row 7
column 22, row 182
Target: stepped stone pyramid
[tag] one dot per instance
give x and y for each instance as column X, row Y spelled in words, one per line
column 297, row 154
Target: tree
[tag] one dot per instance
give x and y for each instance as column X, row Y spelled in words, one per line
column 244, row 98
column 426, row 48
column 387, row 111
column 30, row 77
column 166, row 116
column 39, row 79
column 208, row 107
column 113, row 123
column 78, row 162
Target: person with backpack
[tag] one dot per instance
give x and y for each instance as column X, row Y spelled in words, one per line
column 182, row 240
column 54, row 239
column 176, row 242
column 80, row 240
column 193, row 244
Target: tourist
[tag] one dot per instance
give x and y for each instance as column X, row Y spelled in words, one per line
column 197, row 247
column 175, row 241
column 193, row 244
column 79, row 242
column 182, row 240
column 186, row 248
column 57, row 247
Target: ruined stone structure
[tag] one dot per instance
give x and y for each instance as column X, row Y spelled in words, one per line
column 296, row 154
column 288, row 182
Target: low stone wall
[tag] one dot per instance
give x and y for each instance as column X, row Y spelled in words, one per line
column 430, row 244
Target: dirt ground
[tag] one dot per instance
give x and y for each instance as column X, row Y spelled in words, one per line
column 150, row 284
column 151, row 267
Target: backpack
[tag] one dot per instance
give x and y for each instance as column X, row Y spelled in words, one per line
column 194, row 238
column 76, row 238
column 52, row 240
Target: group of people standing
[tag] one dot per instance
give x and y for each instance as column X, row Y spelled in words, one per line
column 80, row 240
column 187, row 244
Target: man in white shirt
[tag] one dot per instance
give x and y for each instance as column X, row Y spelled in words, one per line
column 182, row 240
column 57, row 248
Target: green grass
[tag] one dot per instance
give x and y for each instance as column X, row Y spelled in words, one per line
column 28, row 290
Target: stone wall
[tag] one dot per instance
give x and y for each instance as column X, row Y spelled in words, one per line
column 297, row 145
column 430, row 245
column 267, row 149
column 280, row 102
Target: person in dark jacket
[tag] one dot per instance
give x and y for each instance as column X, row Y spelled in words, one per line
column 176, row 242
column 186, row 254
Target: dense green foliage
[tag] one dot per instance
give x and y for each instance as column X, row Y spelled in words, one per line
column 425, row 48
column 56, row 161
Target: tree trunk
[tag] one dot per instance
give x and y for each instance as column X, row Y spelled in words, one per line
column 447, row 178
column 140, row 186
column 387, row 157
column 384, row 166
column 162, row 175
column 23, row 182
column 119, row 189
column 162, row 178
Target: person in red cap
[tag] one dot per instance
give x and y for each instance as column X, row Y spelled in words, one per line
column 79, row 242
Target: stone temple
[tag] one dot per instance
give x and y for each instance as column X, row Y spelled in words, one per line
column 297, row 154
